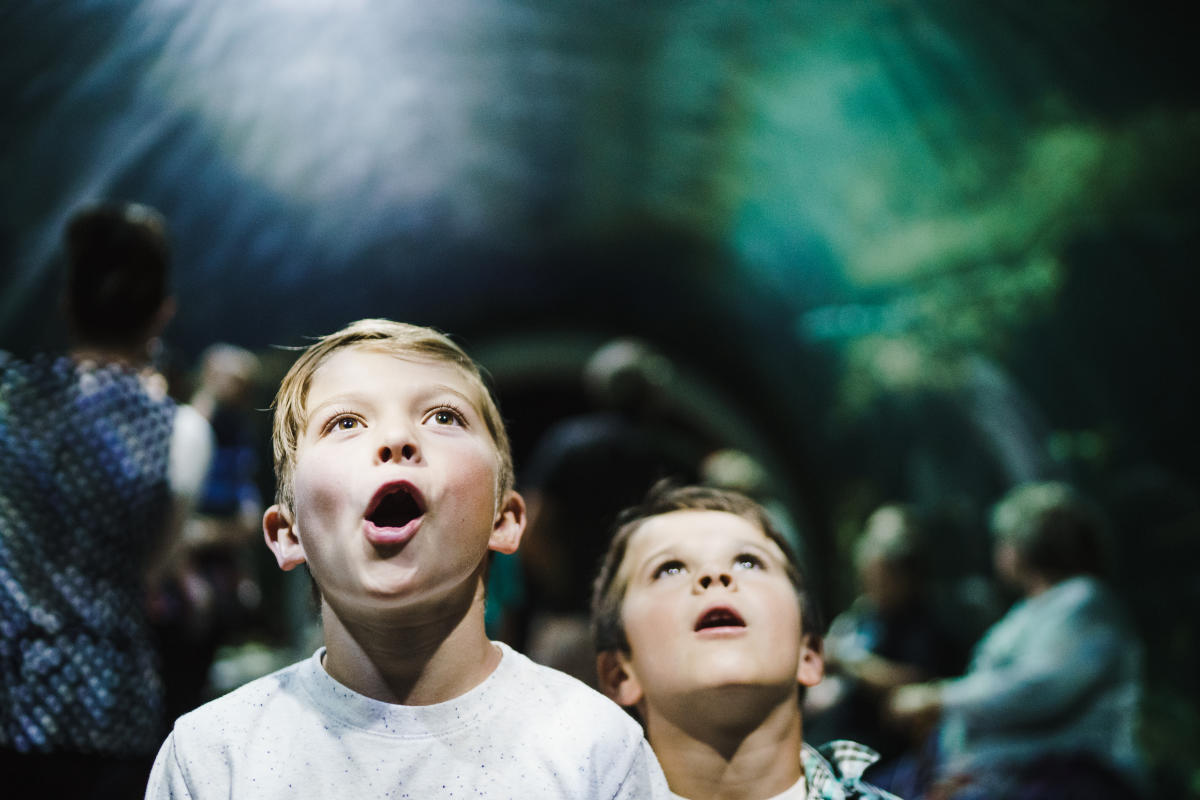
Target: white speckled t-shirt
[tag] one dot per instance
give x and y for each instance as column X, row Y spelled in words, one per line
column 527, row 731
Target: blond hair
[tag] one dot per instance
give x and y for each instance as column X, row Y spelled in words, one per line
column 396, row 338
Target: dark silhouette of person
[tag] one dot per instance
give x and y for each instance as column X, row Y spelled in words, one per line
column 97, row 469
column 582, row 472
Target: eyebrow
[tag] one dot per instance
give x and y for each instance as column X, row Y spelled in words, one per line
column 441, row 388
column 657, row 554
column 345, row 398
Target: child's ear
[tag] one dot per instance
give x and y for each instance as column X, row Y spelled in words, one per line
column 508, row 525
column 616, row 678
column 279, row 530
column 812, row 661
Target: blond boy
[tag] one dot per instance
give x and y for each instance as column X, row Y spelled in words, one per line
column 395, row 481
column 703, row 626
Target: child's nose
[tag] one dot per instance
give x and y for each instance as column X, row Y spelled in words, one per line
column 707, row 579
column 398, row 448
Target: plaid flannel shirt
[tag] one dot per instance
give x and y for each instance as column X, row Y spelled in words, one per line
column 834, row 772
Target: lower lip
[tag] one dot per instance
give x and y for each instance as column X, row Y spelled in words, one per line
column 390, row 537
column 722, row 632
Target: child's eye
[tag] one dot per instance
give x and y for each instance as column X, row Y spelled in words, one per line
column 343, row 422
column 669, row 568
column 748, row 561
column 447, row 415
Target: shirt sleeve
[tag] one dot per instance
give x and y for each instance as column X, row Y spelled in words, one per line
column 645, row 779
column 192, row 445
column 166, row 778
column 1071, row 656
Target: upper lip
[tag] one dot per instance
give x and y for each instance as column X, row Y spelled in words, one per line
column 722, row 616
column 400, row 490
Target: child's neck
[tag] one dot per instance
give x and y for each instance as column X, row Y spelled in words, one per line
column 133, row 356
column 710, row 758
column 396, row 660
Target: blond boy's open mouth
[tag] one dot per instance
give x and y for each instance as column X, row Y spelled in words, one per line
column 394, row 514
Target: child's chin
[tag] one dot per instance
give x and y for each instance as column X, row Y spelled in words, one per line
column 732, row 675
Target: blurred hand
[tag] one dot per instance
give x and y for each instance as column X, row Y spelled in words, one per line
column 916, row 707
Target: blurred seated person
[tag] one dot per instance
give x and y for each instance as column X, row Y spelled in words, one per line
column 98, row 468
column 581, row 473
column 1051, row 697
column 892, row 635
column 212, row 596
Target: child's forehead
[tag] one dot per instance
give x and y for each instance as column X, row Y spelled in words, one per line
column 696, row 531
column 360, row 364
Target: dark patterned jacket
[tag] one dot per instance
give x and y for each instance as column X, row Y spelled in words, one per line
column 83, row 496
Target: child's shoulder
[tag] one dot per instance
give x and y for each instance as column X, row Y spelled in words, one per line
column 558, row 721
column 556, row 692
column 519, row 669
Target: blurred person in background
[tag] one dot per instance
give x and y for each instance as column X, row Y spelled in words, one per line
column 1049, row 704
column 582, row 472
column 737, row 470
column 892, row 635
column 212, row 595
column 98, row 469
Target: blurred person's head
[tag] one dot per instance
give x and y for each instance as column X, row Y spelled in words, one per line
column 627, row 375
column 228, row 373
column 1047, row 532
column 118, row 260
column 888, row 558
column 729, row 468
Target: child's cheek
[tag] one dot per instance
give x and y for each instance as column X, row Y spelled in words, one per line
column 322, row 490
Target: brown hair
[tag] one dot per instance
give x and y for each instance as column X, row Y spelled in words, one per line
column 397, row 338
column 118, row 265
column 1056, row 530
column 608, row 594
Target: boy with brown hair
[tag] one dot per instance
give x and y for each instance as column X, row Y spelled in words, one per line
column 394, row 482
column 704, row 626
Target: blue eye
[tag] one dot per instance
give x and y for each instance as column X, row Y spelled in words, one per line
column 748, row 561
column 669, row 568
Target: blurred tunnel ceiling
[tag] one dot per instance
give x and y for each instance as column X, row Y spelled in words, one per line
column 743, row 182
